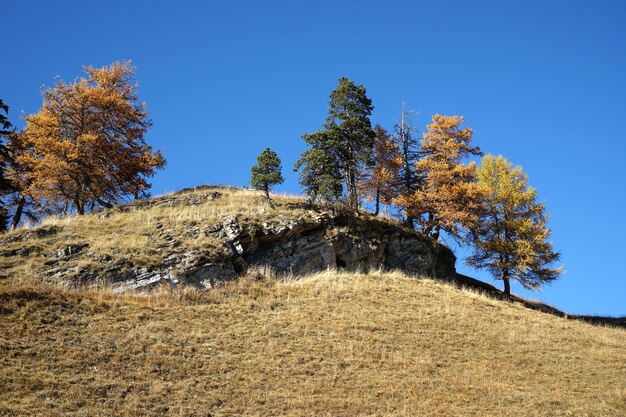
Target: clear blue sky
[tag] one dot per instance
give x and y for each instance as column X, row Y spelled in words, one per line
column 541, row 82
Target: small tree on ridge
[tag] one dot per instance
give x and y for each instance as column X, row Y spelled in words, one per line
column 267, row 173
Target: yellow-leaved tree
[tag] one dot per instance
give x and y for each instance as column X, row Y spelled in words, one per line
column 511, row 240
column 86, row 145
column 448, row 198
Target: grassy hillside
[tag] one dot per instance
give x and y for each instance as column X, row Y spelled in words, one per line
column 331, row 344
column 134, row 233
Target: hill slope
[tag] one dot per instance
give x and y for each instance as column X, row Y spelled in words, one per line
column 208, row 235
column 331, row 344
column 336, row 343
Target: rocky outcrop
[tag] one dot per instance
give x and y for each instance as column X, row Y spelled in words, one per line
column 354, row 244
column 298, row 240
column 298, row 246
column 311, row 242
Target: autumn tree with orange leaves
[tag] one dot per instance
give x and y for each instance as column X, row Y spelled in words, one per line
column 378, row 186
column 86, row 144
column 449, row 196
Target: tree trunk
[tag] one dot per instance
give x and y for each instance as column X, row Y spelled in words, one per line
column 3, row 218
column 410, row 221
column 80, row 208
column 507, row 284
column 18, row 213
column 266, row 189
column 377, row 201
column 353, row 196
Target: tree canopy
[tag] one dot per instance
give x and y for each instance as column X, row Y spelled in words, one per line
column 511, row 240
column 86, row 148
column 346, row 141
column 320, row 175
column 18, row 199
column 378, row 184
column 86, row 145
column 448, row 197
column 267, row 172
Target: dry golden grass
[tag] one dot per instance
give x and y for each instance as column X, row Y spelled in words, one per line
column 134, row 232
column 332, row 344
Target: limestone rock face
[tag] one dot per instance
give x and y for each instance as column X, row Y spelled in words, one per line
column 288, row 245
column 300, row 247
column 302, row 253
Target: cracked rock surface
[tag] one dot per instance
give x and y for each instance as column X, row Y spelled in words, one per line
column 305, row 242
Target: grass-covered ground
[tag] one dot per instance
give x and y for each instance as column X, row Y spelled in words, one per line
column 331, row 344
column 136, row 233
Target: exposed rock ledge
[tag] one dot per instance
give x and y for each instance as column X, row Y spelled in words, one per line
column 301, row 246
column 295, row 246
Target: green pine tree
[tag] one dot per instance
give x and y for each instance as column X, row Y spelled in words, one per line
column 346, row 139
column 267, row 173
column 320, row 176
